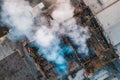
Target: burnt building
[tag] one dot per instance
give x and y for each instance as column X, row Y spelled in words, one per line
column 102, row 52
column 101, row 64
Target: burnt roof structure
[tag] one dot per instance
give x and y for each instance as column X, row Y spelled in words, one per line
column 101, row 52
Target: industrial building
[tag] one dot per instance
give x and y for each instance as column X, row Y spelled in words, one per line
column 102, row 18
column 107, row 15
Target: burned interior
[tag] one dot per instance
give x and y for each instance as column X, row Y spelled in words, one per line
column 100, row 51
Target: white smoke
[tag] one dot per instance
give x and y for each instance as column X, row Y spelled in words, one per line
column 44, row 36
column 79, row 35
column 63, row 11
column 17, row 15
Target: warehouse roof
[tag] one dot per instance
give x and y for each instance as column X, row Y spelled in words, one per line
column 13, row 67
column 110, row 16
column 114, row 33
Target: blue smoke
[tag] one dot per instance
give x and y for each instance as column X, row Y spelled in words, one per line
column 17, row 15
column 55, row 53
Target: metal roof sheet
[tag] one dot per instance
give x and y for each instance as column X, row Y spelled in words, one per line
column 13, row 67
column 114, row 33
column 109, row 16
column 6, row 48
column 98, row 5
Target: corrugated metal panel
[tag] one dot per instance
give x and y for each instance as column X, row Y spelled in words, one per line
column 109, row 16
column 98, row 5
column 6, row 48
column 114, row 33
column 13, row 67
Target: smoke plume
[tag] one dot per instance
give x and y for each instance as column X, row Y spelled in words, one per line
column 79, row 35
column 17, row 14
